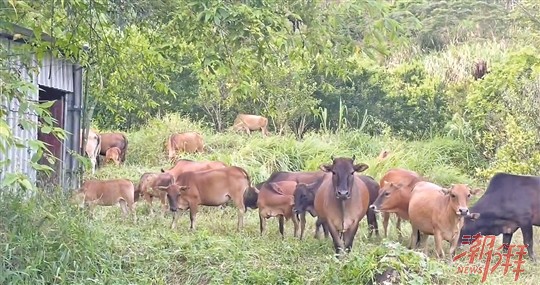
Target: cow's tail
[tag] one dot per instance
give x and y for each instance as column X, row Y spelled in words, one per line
column 125, row 148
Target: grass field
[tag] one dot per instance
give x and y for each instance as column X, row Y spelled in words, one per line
column 44, row 240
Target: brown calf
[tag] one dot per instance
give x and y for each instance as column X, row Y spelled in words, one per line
column 213, row 187
column 394, row 195
column 113, row 154
column 107, row 193
column 276, row 199
column 149, row 186
column 189, row 142
column 440, row 212
column 250, row 123
column 118, row 140
column 342, row 201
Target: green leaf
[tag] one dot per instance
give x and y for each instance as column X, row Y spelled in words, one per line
column 46, row 129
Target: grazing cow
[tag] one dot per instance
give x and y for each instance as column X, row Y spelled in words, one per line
column 118, row 140
column 149, row 186
column 440, row 212
column 342, row 201
column 186, row 165
column 510, row 202
column 396, row 186
column 113, row 154
column 92, row 148
column 189, row 142
column 213, row 187
column 276, row 200
column 250, row 123
column 480, row 69
column 107, row 193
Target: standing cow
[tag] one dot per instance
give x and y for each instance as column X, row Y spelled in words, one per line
column 342, row 201
column 107, row 193
column 189, row 142
column 92, row 148
column 118, row 140
column 249, row 123
column 511, row 202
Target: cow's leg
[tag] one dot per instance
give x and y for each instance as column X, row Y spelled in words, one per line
column 325, row 230
column 372, row 222
column 527, row 232
column 295, row 225
column 123, row 206
column 398, row 227
column 262, row 223
column 336, row 238
column 386, row 218
column 414, row 237
column 148, row 198
column 131, row 207
column 174, row 218
column 241, row 209
column 507, row 239
column 281, row 222
column 453, row 246
column 348, row 237
column 438, row 244
column 93, row 162
column 164, row 205
column 192, row 216
column 302, row 224
column 318, row 226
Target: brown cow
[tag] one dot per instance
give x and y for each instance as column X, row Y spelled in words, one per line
column 276, row 199
column 186, row 165
column 305, row 197
column 342, row 201
column 396, row 186
column 480, row 69
column 189, row 142
column 213, row 187
column 118, row 140
column 92, row 148
column 440, row 212
column 148, row 187
column 250, row 123
column 113, row 154
column 107, row 193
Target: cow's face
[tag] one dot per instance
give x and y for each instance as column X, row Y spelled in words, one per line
column 343, row 170
column 174, row 195
column 389, row 197
column 459, row 195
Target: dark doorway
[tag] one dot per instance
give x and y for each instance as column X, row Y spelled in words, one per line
column 53, row 144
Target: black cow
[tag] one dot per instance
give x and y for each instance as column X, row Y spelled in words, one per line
column 373, row 188
column 510, row 202
column 251, row 196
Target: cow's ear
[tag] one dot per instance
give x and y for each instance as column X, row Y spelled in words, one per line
column 475, row 191
column 326, row 167
column 360, row 167
column 183, row 188
column 445, row 191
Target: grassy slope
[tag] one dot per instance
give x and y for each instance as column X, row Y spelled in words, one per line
column 44, row 240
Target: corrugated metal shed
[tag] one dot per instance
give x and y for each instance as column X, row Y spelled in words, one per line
column 61, row 81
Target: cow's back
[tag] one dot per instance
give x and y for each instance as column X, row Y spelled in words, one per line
column 400, row 176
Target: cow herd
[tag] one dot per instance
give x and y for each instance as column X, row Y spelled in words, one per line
column 338, row 195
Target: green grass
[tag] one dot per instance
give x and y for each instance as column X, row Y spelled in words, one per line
column 45, row 240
